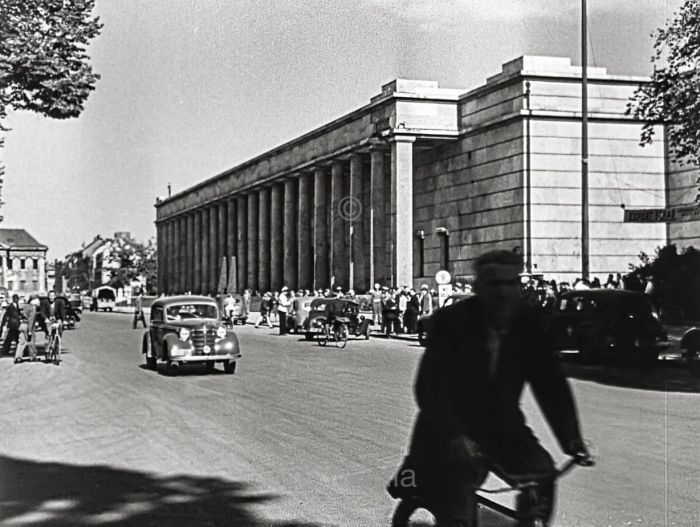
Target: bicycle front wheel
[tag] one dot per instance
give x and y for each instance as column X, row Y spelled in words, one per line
column 56, row 350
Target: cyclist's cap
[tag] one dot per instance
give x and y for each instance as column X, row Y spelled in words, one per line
column 285, row 288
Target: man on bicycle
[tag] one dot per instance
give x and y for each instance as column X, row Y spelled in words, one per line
column 52, row 310
column 480, row 353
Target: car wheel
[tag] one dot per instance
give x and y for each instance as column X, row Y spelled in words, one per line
column 151, row 362
column 230, row 367
column 173, row 369
column 422, row 337
column 308, row 336
column 244, row 321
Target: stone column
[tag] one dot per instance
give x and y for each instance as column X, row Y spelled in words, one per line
column 378, row 272
column 276, row 236
column 401, row 210
column 232, row 238
column 189, row 276
column 213, row 240
column 160, row 246
column 264, row 239
column 290, row 233
column 320, row 230
column 339, row 227
column 253, row 240
column 204, row 242
column 197, row 252
column 242, row 242
column 179, row 261
column 169, row 257
column 357, row 226
column 304, row 229
column 222, row 250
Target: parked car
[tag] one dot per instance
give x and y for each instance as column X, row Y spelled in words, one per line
column 189, row 330
column 299, row 313
column 425, row 323
column 346, row 310
column 238, row 314
column 76, row 302
column 600, row 324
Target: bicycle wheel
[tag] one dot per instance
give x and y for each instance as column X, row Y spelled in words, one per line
column 56, row 350
column 340, row 334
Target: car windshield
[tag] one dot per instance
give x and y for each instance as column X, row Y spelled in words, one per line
column 190, row 311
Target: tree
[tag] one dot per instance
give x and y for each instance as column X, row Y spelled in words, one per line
column 43, row 64
column 673, row 95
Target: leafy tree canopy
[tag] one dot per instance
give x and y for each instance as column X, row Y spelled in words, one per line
column 44, row 67
column 673, row 95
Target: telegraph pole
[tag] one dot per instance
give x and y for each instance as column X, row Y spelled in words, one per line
column 585, row 250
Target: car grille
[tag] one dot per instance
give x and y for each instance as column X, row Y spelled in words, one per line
column 202, row 337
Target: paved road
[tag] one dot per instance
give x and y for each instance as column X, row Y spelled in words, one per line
column 301, row 436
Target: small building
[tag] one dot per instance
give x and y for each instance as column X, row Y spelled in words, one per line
column 23, row 262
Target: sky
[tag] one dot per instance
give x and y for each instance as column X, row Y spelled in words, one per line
column 191, row 88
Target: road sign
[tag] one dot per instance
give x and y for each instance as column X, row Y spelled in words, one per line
column 444, row 292
column 443, row 277
column 668, row 215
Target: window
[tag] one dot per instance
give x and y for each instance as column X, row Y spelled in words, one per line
column 22, row 263
column 157, row 314
column 420, row 253
column 444, row 248
column 35, row 262
column 22, row 285
column 10, row 285
column 9, row 264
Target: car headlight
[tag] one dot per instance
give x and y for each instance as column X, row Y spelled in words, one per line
column 221, row 332
column 184, row 333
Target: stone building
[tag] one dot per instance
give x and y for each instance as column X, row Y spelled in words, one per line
column 424, row 178
column 22, row 262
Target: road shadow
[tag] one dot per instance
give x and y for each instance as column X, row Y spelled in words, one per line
column 663, row 377
column 63, row 495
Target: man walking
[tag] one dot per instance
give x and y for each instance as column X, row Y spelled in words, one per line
column 283, row 308
column 12, row 318
column 26, row 332
column 138, row 310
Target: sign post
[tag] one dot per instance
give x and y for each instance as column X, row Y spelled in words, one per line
column 443, row 279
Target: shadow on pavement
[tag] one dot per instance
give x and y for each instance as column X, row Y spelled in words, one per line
column 58, row 494
column 664, row 377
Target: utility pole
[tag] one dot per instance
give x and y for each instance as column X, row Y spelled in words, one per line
column 585, row 249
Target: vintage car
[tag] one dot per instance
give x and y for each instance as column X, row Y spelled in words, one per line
column 76, row 302
column 296, row 318
column 234, row 311
column 348, row 311
column 425, row 323
column 106, row 297
column 189, row 330
column 601, row 324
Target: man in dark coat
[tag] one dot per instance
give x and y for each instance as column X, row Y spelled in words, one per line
column 480, row 353
column 12, row 318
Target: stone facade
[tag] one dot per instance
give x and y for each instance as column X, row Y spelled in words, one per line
column 424, row 178
column 22, row 262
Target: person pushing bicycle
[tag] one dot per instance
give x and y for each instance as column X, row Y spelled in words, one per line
column 480, row 353
column 52, row 310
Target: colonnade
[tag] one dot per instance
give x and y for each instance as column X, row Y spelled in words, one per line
column 346, row 222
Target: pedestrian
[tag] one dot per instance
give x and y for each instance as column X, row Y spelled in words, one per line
column 264, row 311
column 412, row 310
column 481, row 352
column 402, row 302
column 283, row 308
column 426, row 301
column 26, row 332
column 376, row 296
column 12, row 318
column 610, row 282
column 245, row 305
column 139, row 315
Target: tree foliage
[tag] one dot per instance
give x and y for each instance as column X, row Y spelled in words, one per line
column 676, row 280
column 44, row 66
column 673, row 95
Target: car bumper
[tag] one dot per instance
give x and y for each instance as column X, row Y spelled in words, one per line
column 205, row 358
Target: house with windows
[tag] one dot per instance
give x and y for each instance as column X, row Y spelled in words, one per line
column 22, row 262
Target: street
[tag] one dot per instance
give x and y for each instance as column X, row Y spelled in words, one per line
column 300, row 436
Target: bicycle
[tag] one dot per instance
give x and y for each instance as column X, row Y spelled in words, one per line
column 337, row 330
column 53, row 346
column 527, row 489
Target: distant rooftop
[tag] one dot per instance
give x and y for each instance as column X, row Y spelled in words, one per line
column 19, row 239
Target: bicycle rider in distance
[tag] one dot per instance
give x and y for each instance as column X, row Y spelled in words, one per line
column 480, row 353
column 52, row 310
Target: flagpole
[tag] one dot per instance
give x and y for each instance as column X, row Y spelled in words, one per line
column 585, row 250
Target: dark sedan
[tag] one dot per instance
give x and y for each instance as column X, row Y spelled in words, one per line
column 189, row 330
column 600, row 324
column 425, row 323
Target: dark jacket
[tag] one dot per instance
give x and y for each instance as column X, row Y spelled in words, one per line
column 12, row 316
column 456, row 393
column 59, row 309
